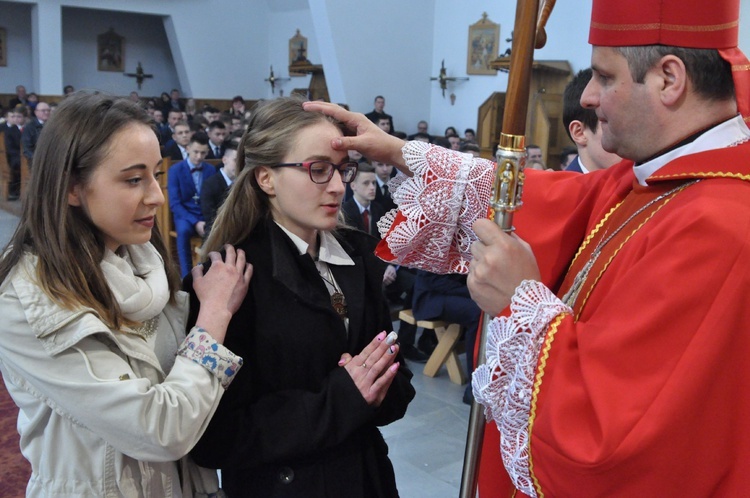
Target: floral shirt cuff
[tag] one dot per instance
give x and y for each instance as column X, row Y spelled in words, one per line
column 203, row 349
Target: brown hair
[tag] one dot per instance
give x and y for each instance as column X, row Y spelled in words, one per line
column 70, row 248
column 270, row 135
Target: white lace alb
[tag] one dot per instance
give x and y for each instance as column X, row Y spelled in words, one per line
column 504, row 384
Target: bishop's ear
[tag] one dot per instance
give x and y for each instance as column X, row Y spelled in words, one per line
column 673, row 79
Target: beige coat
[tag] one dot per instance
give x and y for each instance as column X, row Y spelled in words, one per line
column 99, row 416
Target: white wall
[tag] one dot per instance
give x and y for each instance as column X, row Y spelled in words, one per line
column 145, row 42
column 381, row 47
column 16, row 19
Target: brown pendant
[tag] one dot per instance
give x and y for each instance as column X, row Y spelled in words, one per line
column 339, row 304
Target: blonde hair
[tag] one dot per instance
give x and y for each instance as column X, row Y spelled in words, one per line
column 70, row 248
column 267, row 140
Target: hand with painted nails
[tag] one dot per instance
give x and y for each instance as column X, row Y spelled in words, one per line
column 371, row 141
column 373, row 370
column 221, row 290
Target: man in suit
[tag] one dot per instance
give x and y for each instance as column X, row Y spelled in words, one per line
column 20, row 99
column 363, row 212
column 383, row 173
column 184, row 182
column 217, row 132
column 33, row 129
column 180, row 140
column 175, row 101
column 13, row 151
column 216, row 188
column 173, row 117
column 584, row 128
column 378, row 112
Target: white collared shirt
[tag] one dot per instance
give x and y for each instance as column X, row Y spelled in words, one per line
column 728, row 133
column 330, row 252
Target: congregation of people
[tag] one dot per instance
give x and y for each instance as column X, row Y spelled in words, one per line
column 614, row 356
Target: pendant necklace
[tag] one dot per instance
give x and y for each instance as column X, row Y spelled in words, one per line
column 571, row 296
column 337, row 297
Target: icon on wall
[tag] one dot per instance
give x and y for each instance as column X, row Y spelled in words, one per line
column 484, row 37
column 110, row 51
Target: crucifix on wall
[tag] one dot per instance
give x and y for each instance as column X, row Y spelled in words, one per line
column 139, row 75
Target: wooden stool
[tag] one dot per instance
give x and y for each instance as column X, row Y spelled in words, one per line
column 445, row 351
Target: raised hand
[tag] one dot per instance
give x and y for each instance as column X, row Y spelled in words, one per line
column 371, row 141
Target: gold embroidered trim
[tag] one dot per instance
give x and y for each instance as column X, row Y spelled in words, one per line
column 535, row 392
column 667, row 27
column 593, row 232
column 740, row 67
column 718, row 174
column 609, row 261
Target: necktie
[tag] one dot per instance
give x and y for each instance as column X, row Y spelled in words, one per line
column 217, row 153
column 385, row 190
column 366, row 220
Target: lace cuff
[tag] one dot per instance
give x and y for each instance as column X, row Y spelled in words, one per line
column 504, row 384
column 203, row 349
column 436, row 208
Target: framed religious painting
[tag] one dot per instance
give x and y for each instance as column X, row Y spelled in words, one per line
column 3, row 47
column 110, row 52
column 297, row 54
column 484, row 38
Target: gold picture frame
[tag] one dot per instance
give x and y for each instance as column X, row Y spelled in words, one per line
column 110, row 51
column 297, row 54
column 484, row 39
column 3, row 47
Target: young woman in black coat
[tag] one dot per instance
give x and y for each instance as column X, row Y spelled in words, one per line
column 320, row 375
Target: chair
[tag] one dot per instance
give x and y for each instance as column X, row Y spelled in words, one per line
column 447, row 349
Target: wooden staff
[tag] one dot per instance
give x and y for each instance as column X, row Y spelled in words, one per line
column 508, row 185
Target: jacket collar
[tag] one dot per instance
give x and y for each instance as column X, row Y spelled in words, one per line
column 298, row 273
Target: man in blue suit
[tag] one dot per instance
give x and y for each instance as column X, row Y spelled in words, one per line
column 184, row 181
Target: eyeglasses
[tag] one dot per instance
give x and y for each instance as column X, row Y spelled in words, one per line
column 322, row 171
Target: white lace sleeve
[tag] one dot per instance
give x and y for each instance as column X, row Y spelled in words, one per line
column 436, row 208
column 504, row 384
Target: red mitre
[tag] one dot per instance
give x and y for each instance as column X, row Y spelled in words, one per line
column 678, row 23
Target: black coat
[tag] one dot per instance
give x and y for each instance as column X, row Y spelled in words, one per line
column 293, row 423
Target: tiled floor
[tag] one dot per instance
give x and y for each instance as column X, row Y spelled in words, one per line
column 426, row 446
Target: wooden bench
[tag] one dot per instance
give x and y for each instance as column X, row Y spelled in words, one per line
column 446, row 351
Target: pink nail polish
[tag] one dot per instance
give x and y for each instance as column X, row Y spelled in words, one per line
column 381, row 336
column 342, row 362
column 394, row 367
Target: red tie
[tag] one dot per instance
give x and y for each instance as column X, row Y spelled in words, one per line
column 366, row 220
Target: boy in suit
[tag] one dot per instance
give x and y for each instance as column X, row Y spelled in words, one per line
column 184, row 183
column 216, row 188
column 398, row 282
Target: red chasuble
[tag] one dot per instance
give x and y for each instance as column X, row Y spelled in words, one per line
column 640, row 391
